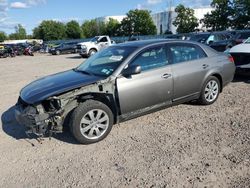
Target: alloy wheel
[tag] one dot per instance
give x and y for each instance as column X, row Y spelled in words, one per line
column 211, row 91
column 94, row 124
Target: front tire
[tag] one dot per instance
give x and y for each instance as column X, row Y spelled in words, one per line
column 91, row 122
column 210, row 91
column 92, row 52
column 58, row 52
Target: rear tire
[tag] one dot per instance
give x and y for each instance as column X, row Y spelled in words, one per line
column 210, row 91
column 91, row 122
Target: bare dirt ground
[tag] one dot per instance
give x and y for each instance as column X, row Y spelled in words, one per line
column 183, row 146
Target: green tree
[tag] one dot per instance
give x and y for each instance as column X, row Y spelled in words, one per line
column 185, row 20
column 73, row 30
column 50, row 30
column 221, row 18
column 91, row 28
column 138, row 22
column 3, row 36
column 37, row 33
column 112, row 27
column 241, row 14
column 13, row 36
column 20, row 33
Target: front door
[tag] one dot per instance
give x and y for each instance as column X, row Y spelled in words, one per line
column 152, row 87
column 103, row 43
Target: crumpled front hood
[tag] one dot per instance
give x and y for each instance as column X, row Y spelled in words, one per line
column 55, row 84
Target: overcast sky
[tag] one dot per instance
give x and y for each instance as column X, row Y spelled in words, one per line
column 30, row 13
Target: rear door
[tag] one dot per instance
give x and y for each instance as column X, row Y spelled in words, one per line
column 189, row 66
column 153, row 86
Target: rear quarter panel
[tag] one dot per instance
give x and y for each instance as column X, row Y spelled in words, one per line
column 220, row 65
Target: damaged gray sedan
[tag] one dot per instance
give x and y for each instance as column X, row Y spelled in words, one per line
column 123, row 82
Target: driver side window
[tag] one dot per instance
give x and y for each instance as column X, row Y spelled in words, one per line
column 104, row 39
column 151, row 58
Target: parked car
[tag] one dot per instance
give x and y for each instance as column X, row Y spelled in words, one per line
column 3, row 52
column 219, row 41
column 241, row 36
column 18, row 49
column 7, row 51
column 87, row 49
column 63, row 48
column 121, row 82
column 241, row 56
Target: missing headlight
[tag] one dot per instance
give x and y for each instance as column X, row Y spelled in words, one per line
column 52, row 105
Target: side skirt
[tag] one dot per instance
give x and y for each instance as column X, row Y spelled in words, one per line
column 155, row 108
column 143, row 111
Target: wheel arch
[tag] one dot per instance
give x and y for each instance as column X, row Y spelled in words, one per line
column 219, row 77
column 93, row 48
column 107, row 99
column 216, row 72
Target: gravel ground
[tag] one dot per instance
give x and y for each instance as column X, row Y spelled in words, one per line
column 183, row 146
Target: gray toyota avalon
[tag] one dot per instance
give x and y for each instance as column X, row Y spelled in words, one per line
column 122, row 82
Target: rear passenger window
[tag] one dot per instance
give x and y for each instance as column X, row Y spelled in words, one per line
column 152, row 58
column 182, row 53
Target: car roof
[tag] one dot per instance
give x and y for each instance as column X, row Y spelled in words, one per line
column 209, row 33
column 243, row 31
column 142, row 43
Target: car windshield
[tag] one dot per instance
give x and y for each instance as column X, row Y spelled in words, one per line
column 95, row 39
column 105, row 62
column 199, row 37
column 247, row 41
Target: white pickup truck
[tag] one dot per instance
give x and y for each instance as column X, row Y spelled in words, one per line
column 87, row 49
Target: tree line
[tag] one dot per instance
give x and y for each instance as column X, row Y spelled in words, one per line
column 233, row 14
column 137, row 22
column 227, row 14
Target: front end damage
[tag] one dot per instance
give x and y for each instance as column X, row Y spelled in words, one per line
column 48, row 116
column 39, row 119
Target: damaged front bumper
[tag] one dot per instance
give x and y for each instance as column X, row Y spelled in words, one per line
column 34, row 121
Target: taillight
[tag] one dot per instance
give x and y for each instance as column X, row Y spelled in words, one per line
column 231, row 59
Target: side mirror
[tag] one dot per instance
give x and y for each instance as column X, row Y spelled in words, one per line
column 134, row 69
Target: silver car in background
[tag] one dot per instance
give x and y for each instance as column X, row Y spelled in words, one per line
column 122, row 82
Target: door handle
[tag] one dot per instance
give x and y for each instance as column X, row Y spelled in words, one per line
column 205, row 66
column 166, row 75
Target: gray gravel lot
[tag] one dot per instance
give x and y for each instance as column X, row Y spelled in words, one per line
column 183, row 146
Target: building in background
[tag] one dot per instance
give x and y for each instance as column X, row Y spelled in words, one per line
column 164, row 20
column 106, row 18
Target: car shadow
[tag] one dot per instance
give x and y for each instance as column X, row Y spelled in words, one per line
column 75, row 57
column 12, row 128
